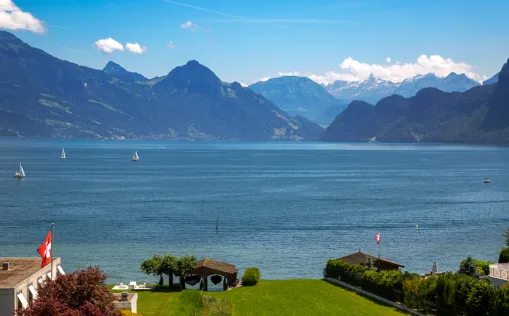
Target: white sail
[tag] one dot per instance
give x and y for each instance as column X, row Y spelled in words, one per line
column 21, row 171
column 135, row 155
column 62, row 156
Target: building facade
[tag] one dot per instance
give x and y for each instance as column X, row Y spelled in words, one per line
column 19, row 280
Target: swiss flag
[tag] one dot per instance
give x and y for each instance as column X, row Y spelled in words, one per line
column 377, row 238
column 45, row 250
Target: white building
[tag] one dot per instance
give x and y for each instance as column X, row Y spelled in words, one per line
column 126, row 301
column 19, row 280
column 499, row 273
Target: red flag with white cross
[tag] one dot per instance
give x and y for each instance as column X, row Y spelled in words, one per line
column 45, row 250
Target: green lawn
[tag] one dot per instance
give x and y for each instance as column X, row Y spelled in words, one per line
column 282, row 297
column 300, row 297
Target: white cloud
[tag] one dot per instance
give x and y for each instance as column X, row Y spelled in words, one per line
column 243, row 84
column 12, row 18
column 170, row 45
column 135, row 48
column 108, row 45
column 189, row 25
column 264, row 79
column 354, row 70
column 388, row 60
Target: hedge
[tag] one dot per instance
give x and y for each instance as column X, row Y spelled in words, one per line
column 447, row 294
column 251, row 276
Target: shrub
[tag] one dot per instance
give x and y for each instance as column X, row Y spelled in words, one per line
column 411, row 292
column 251, row 277
column 479, row 298
column 218, row 307
column 370, row 280
column 468, row 267
column 500, row 302
column 390, row 284
column 483, row 267
column 191, row 303
column 504, row 255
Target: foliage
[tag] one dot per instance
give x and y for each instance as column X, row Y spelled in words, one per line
column 350, row 273
column 390, row 284
column 218, row 307
column 185, row 267
column 190, row 303
column 483, row 267
column 154, row 266
column 500, row 302
column 370, row 280
column 479, row 298
column 504, row 255
column 168, row 266
column 81, row 293
column 468, row 267
column 251, row 276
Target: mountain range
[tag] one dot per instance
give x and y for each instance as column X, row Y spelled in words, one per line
column 43, row 96
column 374, row 89
column 301, row 96
column 479, row 115
column 492, row 80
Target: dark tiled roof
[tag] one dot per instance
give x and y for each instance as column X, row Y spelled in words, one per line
column 216, row 265
column 362, row 258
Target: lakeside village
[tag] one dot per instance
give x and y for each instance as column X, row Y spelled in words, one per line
column 356, row 284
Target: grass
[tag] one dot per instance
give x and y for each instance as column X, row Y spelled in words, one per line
column 301, row 297
column 282, row 297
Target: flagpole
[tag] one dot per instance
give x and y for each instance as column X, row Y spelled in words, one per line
column 52, row 233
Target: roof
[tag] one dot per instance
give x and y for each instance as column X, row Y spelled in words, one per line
column 216, row 265
column 118, row 297
column 362, row 258
column 19, row 270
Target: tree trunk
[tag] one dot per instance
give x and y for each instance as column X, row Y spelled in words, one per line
column 182, row 283
column 170, row 279
column 161, row 281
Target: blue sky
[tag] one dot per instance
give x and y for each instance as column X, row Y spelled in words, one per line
column 245, row 40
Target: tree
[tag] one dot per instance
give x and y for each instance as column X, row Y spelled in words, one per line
column 504, row 255
column 153, row 266
column 185, row 268
column 468, row 267
column 169, row 267
column 81, row 293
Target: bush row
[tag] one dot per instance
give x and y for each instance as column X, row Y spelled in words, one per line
column 456, row 294
column 447, row 294
column 251, row 276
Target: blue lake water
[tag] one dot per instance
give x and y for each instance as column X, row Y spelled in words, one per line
column 283, row 207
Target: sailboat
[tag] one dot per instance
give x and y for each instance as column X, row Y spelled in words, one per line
column 21, row 173
column 62, row 156
column 135, row 156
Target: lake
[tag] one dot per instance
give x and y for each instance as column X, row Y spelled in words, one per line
column 283, row 207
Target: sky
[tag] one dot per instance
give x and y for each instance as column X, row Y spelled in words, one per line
column 251, row 40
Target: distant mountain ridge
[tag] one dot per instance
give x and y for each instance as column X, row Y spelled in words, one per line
column 479, row 115
column 43, row 96
column 301, row 96
column 119, row 72
column 492, row 80
column 374, row 89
